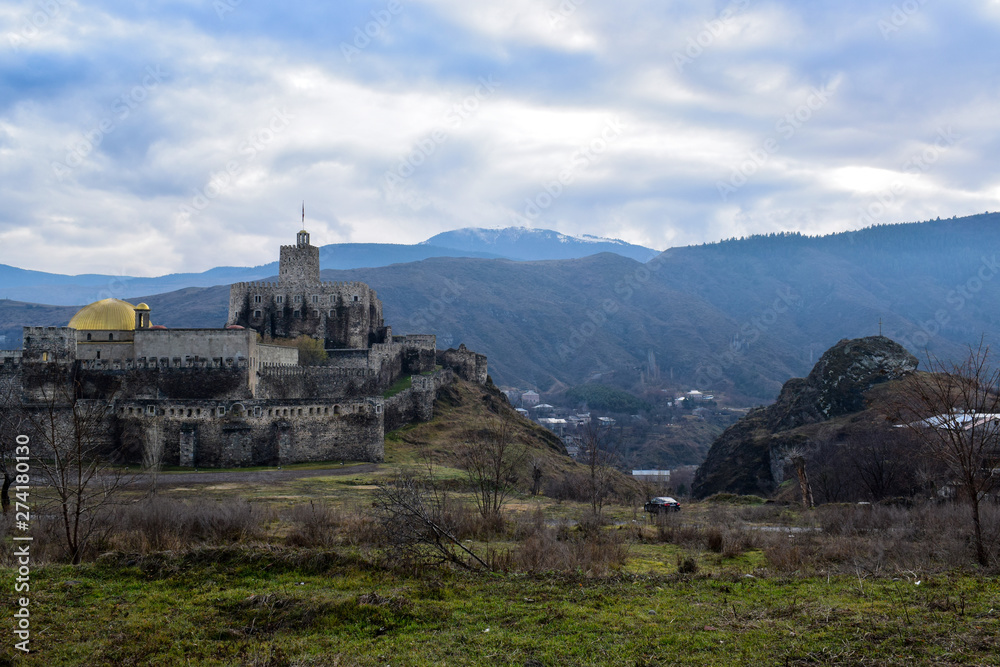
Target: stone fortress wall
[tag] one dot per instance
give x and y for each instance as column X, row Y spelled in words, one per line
column 343, row 315
column 222, row 397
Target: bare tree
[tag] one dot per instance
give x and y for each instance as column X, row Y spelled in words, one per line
column 599, row 458
column 831, row 478
column 537, row 471
column 76, row 456
column 954, row 411
column 413, row 514
column 884, row 461
column 492, row 460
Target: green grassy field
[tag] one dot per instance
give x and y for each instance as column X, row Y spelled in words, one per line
column 241, row 605
column 716, row 584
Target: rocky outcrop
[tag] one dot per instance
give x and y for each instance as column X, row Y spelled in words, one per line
column 746, row 458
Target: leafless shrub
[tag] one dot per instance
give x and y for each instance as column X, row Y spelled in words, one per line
column 770, row 513
column 594, row 551
column 880, row 540
column 672, row 530
column 571, row 486
column 737, row 541
column 784, row 553
column 358, row 528
column 46, row 541
column 164, row 524
column 312, row 525
column 418, row 523
column 319, row 524
column 228, row 521
column 860, row 519
column 713, row 539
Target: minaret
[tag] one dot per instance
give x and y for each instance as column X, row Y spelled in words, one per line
column 299, row 263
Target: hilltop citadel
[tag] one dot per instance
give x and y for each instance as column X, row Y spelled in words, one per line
column 237, row 396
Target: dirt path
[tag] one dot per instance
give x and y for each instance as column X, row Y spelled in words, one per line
column 167, row 480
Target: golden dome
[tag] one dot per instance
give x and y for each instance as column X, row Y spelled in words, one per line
column 142, row 306
column 107, row 315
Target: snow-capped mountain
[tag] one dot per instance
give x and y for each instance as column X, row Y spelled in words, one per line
column 527, row 244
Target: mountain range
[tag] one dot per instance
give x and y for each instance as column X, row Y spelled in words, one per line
column 517, row 243
column 739, row 317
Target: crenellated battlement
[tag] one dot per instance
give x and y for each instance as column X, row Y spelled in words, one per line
column 166, row 364
column 327, row 285
column 242, row 410
column 10, row 359
column 301, row 371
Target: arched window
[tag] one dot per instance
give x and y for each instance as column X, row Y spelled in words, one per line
column 89, row 336
column 111, row 336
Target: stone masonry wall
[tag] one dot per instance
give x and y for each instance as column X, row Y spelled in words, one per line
column 233, row 434
column 343, row 314
column 467, row 364
column 416, row 404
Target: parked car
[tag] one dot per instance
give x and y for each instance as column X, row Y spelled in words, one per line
column 662, row 504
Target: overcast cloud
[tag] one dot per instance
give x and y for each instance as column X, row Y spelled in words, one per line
column 177, row 136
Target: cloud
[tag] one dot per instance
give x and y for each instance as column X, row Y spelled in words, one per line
column 256, row 107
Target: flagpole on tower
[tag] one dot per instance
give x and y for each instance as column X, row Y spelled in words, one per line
column 303, row 214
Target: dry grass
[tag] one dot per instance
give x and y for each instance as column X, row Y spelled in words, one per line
column 588, row 548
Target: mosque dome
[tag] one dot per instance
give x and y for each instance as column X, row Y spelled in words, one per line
column 107, row 315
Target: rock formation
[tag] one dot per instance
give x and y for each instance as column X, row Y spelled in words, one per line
column 748, row 457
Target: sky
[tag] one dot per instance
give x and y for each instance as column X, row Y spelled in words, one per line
column 153, row 137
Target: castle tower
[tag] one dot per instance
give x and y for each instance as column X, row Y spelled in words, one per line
column 299, row 263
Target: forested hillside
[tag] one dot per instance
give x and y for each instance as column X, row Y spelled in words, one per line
column 740, row 316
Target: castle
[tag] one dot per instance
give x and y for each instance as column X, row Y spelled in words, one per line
column 238, row 396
